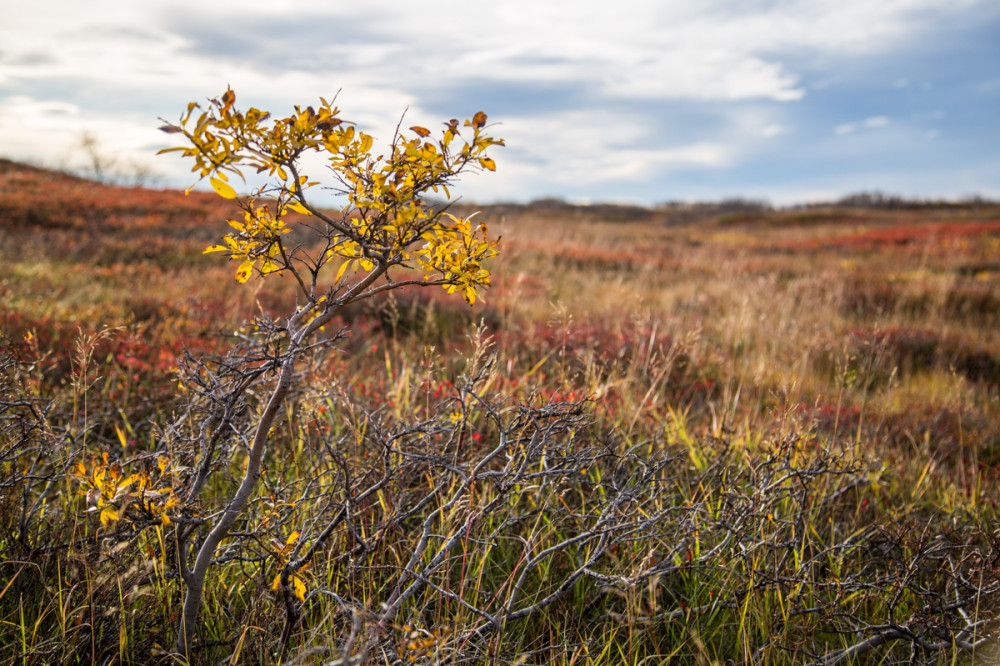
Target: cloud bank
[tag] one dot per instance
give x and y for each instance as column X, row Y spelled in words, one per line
column 635, row 100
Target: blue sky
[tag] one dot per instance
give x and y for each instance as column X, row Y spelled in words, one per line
column 640, row 101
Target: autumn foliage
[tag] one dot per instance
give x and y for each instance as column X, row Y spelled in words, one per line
column 766, row 439
column 389, row 223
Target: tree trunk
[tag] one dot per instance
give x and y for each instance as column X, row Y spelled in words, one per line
column 196, row 584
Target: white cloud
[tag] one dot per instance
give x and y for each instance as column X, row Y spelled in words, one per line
column 990, row 86
column 646, row 49
column 872, row 122
column 583, row 149
column 50, row 133
column 701, row 74
column 111, row 68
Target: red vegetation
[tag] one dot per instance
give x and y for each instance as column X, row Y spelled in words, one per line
column 895, row 236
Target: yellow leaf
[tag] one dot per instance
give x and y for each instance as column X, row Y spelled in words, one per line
column 292, row 538
column 244, row 271
column 222, row 188
column 479, row 119
column 421, row 131
column 277, row 582
column 340, row 272
column 215, row 248
column 300, row 588
column 129, row 480
column 298, row 208
column 110, row 514
column 488, row 163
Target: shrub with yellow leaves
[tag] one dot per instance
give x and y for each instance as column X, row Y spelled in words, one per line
column 145, row 496
column 387, row 223
column 388, row 236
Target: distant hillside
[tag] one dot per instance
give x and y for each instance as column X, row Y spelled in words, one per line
column 40, row 198
column 35, row 197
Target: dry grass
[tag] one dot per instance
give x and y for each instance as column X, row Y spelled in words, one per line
column 767, row 439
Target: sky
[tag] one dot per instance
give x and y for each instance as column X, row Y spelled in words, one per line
column 630, row 101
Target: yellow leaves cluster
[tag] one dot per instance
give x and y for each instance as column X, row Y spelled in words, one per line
column 387, row 223
column 225, row 139
column 256, row 242
column 455, row 252
column 354, row 255
column 109, row 491
column 281, row 553
column 420, row 644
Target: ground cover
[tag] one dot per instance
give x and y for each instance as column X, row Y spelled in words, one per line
column 769, row 438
